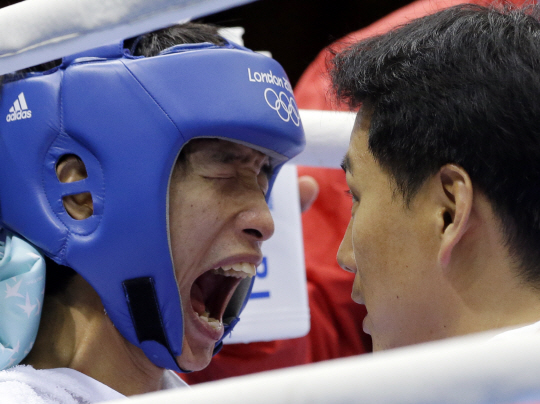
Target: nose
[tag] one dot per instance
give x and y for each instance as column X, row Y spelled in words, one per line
column 345, row 256
column 256, row 220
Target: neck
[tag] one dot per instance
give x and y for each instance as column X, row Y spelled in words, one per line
column 83, row 338
column 487, row 282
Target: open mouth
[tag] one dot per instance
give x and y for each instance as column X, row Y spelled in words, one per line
column 212, row 291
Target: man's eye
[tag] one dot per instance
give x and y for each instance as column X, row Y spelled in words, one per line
column 351, row 195
column 218, row 177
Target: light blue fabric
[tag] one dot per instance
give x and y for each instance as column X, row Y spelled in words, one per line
column 22, row 287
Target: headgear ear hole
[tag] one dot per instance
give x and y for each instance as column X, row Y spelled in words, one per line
column 70, row 168
column 79, row 206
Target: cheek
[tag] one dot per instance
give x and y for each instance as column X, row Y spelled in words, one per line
column 383, row 253
column 192, row 212
column 190, row 221
column 370, row 237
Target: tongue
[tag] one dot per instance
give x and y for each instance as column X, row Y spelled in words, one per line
column 197, row 301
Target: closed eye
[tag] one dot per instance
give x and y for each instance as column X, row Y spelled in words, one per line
column 218, row 177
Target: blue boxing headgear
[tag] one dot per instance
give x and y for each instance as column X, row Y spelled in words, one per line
column 127, row 118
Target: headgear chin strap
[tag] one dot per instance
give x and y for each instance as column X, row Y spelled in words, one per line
column 127, row 118
column 22, row 285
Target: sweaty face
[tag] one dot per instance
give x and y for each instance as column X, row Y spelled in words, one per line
column 218, row 219
column 392, row 250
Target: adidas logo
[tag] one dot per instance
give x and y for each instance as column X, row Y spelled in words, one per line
column 19, row 110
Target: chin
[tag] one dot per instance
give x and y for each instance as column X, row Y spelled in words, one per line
column 194, row 362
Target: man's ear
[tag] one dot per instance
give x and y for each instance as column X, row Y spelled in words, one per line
column 70, row 168
column 456, row 203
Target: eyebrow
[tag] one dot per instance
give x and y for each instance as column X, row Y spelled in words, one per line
column 226, row 157
column 229, row 156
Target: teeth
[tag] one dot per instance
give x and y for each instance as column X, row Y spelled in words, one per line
column 214, row 323
column 238, row 270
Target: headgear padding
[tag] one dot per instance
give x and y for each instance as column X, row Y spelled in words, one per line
column 128, row 118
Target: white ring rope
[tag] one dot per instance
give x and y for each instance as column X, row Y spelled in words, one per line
column 36, row 31
column 466, row 370
column 327, row 137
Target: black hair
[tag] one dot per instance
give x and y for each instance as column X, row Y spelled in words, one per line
column 460, row 86
column 148, row 45
column 151, row 44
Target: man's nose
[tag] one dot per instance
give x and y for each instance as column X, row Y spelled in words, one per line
column 345, row 256
column 256, row 220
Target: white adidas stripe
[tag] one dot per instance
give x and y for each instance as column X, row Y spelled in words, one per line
column 22, row 101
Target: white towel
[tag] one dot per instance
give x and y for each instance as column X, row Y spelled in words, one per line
column 26, row 385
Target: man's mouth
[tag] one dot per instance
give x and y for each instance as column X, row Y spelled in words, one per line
column 212, row 291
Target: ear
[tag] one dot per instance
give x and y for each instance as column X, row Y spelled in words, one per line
column 70, row 168
column 456, row 202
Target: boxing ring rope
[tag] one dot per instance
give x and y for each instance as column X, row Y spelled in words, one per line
column 36, row 31
column 465, row 370
column 327, row 137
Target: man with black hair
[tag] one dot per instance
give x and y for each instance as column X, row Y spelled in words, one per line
column 444, row 173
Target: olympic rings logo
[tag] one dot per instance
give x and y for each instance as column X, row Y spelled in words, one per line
column 284, row 106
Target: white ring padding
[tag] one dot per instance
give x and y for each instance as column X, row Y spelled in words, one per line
column 327, row 137
column 37, row 31
column 462, row 370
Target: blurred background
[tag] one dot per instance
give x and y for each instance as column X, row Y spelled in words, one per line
column 295, row 31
